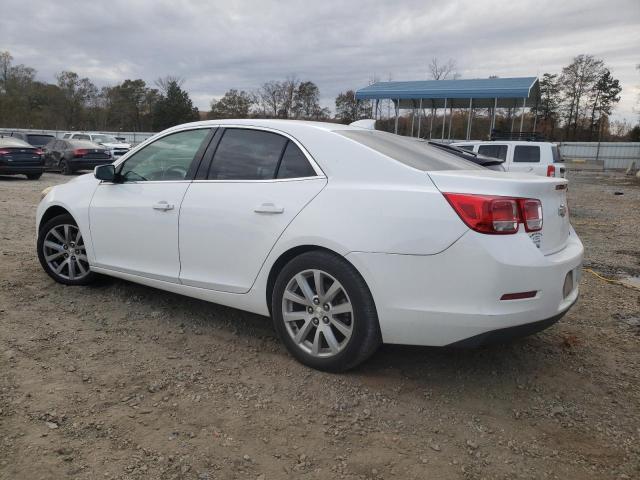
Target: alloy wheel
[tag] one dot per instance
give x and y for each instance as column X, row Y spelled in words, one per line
column 317, row 313
column 65, row 253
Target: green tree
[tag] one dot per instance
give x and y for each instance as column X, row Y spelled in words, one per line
column 234, row 104
column 173, row 107
column 306, row 101
column 548, row 110
column 348, row 109
column 77, row 93
column 605, row 94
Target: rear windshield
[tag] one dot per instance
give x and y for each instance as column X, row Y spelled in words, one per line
column 39, row 139
column 557, row 158
column 410, row 151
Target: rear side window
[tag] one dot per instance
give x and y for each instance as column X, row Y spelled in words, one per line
column 555, row 151
column 245, row 154
column 82, row 137
column 294, row 164
column 494, row 151
column 409, row 151
column 39, row 139
column 526, row 154
column 67, row 135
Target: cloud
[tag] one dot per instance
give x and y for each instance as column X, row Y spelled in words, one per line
column 339, row 45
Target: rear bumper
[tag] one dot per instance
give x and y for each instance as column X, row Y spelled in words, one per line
column 453, row 297
column 20, row 170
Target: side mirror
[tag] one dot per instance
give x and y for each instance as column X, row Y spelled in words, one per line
column 106, row 173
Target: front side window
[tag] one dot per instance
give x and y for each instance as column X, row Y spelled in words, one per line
column 245, row 154
column 168, row 158
column 526, row 154
column 494, row 151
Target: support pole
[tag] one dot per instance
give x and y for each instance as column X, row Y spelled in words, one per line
column 444, row 118
column 397, row 113
column 377, row 114
column 419, row 117
column 433, row 113
column 513, row 116
column 450, row 122
column 524, row 102
column 492, row 123
column 413, row 115
column 469, row 119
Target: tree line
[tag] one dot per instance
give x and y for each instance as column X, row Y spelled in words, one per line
column 575, row 104
column 75, row 103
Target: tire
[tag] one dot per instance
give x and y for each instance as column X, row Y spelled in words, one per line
column 33, row 176
column 77, row 270
column 65, row 168
column 354, row 325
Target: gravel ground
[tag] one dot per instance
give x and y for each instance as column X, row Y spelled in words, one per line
column 122, row 381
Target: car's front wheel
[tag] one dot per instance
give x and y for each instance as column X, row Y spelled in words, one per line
column 62, row 252
column 324, row 312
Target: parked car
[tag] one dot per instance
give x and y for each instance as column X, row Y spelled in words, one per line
column 539, row 158
column 347, row 237
column 35, row 139
column 115, row 145
column 68, row 156
column 17, row 157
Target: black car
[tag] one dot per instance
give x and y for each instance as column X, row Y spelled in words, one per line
column 19, row 158
column 35, row 139
column 68, row 156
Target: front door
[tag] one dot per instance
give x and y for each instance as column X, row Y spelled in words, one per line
column 258, row 181
column 134, row 222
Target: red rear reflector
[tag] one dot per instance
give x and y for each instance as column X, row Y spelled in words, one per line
column 519, row 295
column 551, row 171
column 496, row 215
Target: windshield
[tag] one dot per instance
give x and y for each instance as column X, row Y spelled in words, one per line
column 410, row 151
column 104, row 139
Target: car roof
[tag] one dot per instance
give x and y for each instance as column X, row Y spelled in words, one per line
column 14, row 142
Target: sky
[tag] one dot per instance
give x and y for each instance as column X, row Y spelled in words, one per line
column 338, row 44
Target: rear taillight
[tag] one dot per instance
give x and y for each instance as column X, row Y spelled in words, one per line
column 496, row 215
column 531, row 210
column 4, row 152
column 38, row 151
column 551, row 171
column 79, row 152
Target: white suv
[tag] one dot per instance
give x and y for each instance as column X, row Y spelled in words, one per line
column 540, row 158
column 111, row 143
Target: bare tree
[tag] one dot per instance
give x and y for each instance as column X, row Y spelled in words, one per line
column 443, row 71
column 163, row 83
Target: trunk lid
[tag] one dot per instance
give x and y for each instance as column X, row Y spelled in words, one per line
column 20, row 156
column 551, row 191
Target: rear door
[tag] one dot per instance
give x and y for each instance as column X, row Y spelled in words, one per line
column 252, row 184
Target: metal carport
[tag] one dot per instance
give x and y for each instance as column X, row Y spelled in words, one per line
column 492, row 93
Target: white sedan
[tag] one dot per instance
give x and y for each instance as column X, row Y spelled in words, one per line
column 346, row 237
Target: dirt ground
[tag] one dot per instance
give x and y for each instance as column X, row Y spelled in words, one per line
column 122, row 381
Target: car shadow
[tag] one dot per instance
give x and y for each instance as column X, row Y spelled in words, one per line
column 421, row 364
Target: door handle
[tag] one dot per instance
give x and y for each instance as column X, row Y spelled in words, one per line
column 163, row 206
column 268, row 208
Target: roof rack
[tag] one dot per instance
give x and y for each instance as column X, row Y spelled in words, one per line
column 524, row 136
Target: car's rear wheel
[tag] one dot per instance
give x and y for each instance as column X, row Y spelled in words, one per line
column 65, row 167
column 62, row 252
column 324, row 312
column 34, row 176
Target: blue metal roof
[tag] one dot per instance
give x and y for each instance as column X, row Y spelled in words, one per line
column 501, row 88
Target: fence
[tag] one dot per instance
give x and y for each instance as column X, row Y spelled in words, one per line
column 130, row 137
column 613, row 154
